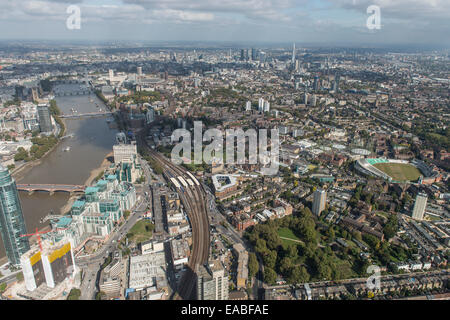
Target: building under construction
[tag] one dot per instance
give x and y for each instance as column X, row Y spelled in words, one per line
column 51, row 264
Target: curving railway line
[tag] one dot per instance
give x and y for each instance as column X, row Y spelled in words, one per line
column 194, row 201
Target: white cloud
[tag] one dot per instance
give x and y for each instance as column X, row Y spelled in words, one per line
column 252, row 9
column 421, row 20
column 401, row 9
column 181, row 15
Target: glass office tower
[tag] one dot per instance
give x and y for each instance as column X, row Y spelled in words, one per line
column 12, row 222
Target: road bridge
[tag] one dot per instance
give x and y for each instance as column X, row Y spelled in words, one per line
column 51, row 188
column 86, row 115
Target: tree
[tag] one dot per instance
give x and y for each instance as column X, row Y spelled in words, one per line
column 285, row 265
column 323, row 271
column 270, row 259
column 74, row 294
column 126, row 214
column 270, row 276
column 253, row 264
column 331, row 234
column 2, row 287
column 260, row 246
column 391, row 227
column 307, row 227
column 21, row 154
column 100, row 295
column 291, row 251
column 357, row 235
column 372, row 241
column 298, row 275
column 360, row 266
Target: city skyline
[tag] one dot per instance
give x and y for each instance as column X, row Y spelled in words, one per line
column 135, row 161
column 422, row 22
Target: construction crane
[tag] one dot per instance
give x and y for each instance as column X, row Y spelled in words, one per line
column 38, row 234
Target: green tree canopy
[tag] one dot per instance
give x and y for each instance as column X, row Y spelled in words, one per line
column 270, row 276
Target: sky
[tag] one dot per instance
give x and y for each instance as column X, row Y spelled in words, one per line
column 403, row 22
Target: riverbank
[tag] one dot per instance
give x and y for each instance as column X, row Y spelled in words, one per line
column 96, row 172
column 18, row 173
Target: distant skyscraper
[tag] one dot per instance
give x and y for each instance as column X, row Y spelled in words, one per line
column 45, row 121
column 12, row 222
column 111, row 75
column 419, row 206
column 336, row 83
column 254, row 54
column 261, row 104
column 139, row 71
column 242, row 55
column 305, row 98
column 262, row 57
column 316, row 83
column 266, row 106
column 212, row 282
column 150, row 115
column 293, row 55
column 313, row 100
column 320, row 198
column 248, row 106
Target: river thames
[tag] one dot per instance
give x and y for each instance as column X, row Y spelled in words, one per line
column 93, row 139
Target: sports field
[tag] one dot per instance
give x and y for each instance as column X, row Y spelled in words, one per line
column 399, row 171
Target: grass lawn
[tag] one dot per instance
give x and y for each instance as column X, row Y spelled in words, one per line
column 74, row 294
column 141, row 231
column 288, row 237
column 399, row 171
column 382, row 213
column 432, row 218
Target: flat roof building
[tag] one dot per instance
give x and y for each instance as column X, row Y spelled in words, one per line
column 124, row 151
column 320, row 198
column 212, row 282
column 144, row 270
column 419, row 206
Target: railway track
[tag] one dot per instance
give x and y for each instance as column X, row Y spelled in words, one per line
column 194, row 201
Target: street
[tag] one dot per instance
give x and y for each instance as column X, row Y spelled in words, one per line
column 91, row 264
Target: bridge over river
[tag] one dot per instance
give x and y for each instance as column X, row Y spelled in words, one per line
column 52, row 188
column 85, row 115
